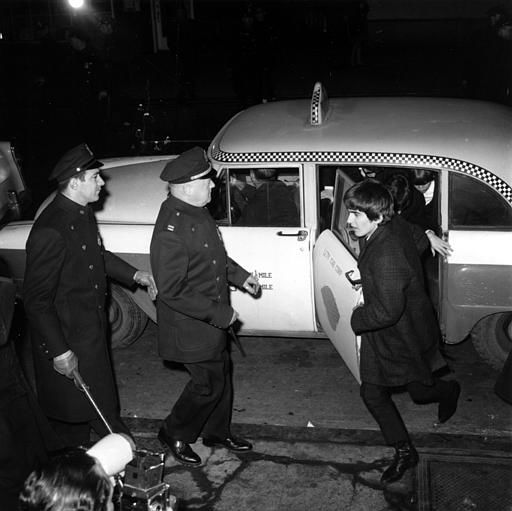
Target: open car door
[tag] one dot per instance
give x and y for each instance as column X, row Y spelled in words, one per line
column 336, row 280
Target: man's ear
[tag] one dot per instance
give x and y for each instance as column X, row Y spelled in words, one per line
column 73, row 183
column 379, row 220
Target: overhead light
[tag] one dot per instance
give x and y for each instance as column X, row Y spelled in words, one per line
column 76, row 4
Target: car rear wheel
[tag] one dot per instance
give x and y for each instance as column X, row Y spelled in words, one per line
column 492, row 338
column 126, row 319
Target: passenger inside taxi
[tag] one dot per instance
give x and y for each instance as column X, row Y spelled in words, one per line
column 326, row 180
column 272, row 204
column 240, row 190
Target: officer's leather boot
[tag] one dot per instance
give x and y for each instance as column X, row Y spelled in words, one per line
column 405, row 457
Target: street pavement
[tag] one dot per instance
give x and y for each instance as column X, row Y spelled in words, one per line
column 315, row 445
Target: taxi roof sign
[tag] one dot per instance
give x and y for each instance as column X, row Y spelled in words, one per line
column 319, row 105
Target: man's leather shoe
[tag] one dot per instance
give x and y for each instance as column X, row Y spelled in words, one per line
column 448, row 405
column 231, row 443
column 181, row 451
column 405, row 457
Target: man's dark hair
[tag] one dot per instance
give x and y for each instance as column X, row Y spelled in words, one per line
column 71, row 480
column 400, row 189
column 422, row 176
column 64, row 184
column 265, row 174
column 372, row 198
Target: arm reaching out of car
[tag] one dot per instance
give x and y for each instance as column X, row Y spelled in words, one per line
column 438, row 245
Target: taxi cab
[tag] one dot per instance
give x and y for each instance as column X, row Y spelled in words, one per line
column 313, row 150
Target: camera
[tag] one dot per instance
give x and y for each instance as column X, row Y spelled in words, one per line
column 142, row 487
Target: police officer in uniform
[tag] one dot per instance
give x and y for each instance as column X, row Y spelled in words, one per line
column 192, row 271
column 65, row 292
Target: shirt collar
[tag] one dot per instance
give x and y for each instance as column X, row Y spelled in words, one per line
column 70, row 205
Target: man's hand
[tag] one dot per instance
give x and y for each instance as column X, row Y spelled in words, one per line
column 327, row 193
column 66, row 364
column 144, row 278
column 438, row 245
column 252, row 285
column 234, row 317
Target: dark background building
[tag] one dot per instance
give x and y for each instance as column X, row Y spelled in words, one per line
column 175, row 70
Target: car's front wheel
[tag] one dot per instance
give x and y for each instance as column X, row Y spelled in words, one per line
column 127, row 320
column 492, row 338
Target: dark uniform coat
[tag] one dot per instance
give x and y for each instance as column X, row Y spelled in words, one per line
column 65, row 292
column 191, row 271
column 397, row 323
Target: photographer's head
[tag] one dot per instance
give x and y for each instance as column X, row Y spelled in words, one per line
column 68, row 482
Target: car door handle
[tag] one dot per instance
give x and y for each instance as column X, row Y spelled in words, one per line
column 301, row 235
column 355, row 283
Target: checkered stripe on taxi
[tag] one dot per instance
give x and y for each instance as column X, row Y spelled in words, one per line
column 421, row 160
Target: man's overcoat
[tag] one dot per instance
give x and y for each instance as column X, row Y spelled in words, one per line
column 65, row 293
column 191, row 270
column 397, row 323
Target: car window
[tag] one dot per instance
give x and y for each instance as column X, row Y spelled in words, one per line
column 326, row 179
column 418, row 207
column 257, row 197
column 473, row 204
column 340, row 213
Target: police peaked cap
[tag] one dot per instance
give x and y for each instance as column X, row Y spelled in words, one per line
column 73, row 162
column 188, row 166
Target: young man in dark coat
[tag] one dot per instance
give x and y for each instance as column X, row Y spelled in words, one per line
column 192, row 271
column 65, row 293
column 397, row 323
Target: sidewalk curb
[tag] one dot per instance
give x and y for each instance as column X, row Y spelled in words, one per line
column 491, row 445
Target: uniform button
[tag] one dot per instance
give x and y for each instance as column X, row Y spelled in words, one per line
column 95, row 286
column 72, row 227
column 84, row 247
column 217, row 278
column 82, row 212
column 91, row 266
column 206, row 245
column 214, row 262
column 100, row 307
column 178, row 213
column 193, row 229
